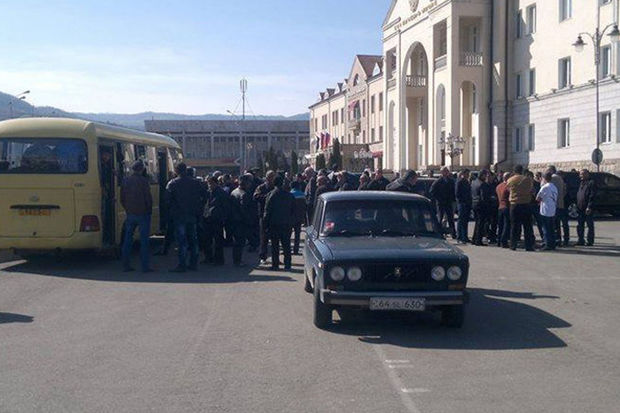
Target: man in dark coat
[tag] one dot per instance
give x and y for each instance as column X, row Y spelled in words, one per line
column 481, row 204
column 464, row 204
column 585, row 202
column 216, row 213
column 185, row 196
column 379, row 183
column 342, row 183
column 323, row 187
column 310, row 192
column 278, row 219
column 138, row 203
column 443, row 193
column 260, row 196
column 300, row 214
column 404, row 184
column 242, row 216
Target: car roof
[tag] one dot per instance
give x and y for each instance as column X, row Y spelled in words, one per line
column 371, row 196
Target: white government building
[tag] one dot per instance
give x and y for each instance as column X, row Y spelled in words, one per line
column 498, row 80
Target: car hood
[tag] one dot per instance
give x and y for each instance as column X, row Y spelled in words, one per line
column 390, row 248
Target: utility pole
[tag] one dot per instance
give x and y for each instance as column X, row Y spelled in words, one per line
column 244, row 88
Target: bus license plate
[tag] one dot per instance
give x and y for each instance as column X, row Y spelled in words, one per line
column 397, row 304
column 35, row 212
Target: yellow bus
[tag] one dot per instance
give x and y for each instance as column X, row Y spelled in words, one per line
column 60, row 182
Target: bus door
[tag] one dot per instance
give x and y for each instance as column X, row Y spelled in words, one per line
column 108, row 193
column 162, row 162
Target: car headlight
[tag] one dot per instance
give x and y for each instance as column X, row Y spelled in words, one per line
column 438, row 273
column 354, row 274
column 337, row 273
column 455, row 273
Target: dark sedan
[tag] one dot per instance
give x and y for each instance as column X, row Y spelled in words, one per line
column 382, row 251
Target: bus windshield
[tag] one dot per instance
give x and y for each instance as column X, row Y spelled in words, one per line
column 43, row 156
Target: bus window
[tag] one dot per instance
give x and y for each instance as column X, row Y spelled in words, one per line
column 128, row 159
column 43, row 156
column 152, row 167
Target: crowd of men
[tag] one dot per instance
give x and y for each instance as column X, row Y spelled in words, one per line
column 206, row 215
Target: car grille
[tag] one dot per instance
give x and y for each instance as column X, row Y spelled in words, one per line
column 400, row 273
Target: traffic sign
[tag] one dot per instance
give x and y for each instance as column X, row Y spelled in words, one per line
column 597, row 157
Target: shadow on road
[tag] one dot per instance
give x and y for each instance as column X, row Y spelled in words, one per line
column 6, row 318
column 493, row 322
column 92, row 267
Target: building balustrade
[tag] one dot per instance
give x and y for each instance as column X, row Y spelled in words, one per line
column 415, row 81
column 441, row 62
column 471, row 59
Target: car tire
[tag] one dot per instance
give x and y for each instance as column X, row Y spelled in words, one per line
column 322, row 312
column 453, row 316
column 573, row 211
column 307, row 285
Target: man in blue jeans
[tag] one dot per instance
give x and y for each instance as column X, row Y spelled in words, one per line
column 138, row 203
column 186, row 196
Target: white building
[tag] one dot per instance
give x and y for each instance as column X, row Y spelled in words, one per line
column 504, row 76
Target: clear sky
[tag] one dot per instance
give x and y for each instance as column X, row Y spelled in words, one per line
column 183, row 56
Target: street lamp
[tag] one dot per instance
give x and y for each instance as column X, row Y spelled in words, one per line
column 21, row 96
column 597, row 37
column 242, row 158
column 454, row 146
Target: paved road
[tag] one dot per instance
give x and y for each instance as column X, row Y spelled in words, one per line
column 542, row 334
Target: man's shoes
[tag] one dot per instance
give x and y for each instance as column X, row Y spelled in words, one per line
column 178, row 270
column 548, row 249
column 580, row 244
column 530, row 249
column 566, row 244
column 272, row 268
column 589, row 244
column 128, row 269
column 287, row 268
column 263, row 262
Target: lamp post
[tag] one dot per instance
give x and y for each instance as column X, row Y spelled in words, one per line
column 597, row 37
column 454, row 146
column 21, row 96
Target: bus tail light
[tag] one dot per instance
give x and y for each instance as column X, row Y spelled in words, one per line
column 90, row 223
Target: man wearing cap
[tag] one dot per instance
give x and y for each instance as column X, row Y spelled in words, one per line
column 444, row 193
column 138, row 203
column 404, row 184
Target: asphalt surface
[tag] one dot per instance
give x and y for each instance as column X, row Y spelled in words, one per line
column 542, row 334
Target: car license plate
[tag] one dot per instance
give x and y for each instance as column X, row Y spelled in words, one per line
column 35, row 212
column 397, row 304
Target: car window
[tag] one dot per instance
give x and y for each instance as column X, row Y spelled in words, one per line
column 378, row 217
column 610, row 181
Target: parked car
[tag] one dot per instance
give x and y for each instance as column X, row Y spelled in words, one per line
column 607, row 200
column 382, row 251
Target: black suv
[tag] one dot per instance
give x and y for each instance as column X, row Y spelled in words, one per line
column 607, row 199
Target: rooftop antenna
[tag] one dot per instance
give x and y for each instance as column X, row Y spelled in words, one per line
column 244, row 88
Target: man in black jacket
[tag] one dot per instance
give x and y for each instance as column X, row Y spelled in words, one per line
column 443, row 192
column 260, row 196
column 242, row 216
column 310, row 193
column 379, row 183
column 185, row 196
column 404, row 184
column 481, row 204
column 216, row 213
column 585, row 201
column 342, row 183
column 278, row 219
column 464, row 204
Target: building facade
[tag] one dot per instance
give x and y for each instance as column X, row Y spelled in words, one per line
column 482, row 83
column 232, row 146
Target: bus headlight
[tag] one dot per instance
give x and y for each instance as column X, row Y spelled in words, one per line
column 354, row 274
column 337, row 274
column 438, row 273
column 455, row 273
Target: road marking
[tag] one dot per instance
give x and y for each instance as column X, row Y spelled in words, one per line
column 415, row 390
column 397, row 361
column 397, row 382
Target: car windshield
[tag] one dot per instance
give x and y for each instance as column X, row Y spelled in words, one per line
column 43, row 156
column 378, row 218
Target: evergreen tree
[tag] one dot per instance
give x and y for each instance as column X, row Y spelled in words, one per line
column 336, row 157
column 294, row 163
column 320, row 162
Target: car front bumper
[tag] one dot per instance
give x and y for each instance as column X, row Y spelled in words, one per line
column 362, row 299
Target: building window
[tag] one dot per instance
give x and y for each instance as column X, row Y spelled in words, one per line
column 605, row 127
column 566, row 9
column 518, row 86
column 531, row 137
column 564, row 67
column 372, row 135
column 381, row 102
column 381, row 133
column 519, row 24
column 363, row 136
column 532, row 82
column 372, row 104
column 518, row 142
column 531, row 19
column 605, row 61
column 563, row 133
column 364, row 108
column 342, row 115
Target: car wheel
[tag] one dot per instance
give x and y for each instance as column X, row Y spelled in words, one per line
column 322, row 312
column 453, row 316
column 307, row 285
column 573, row 212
